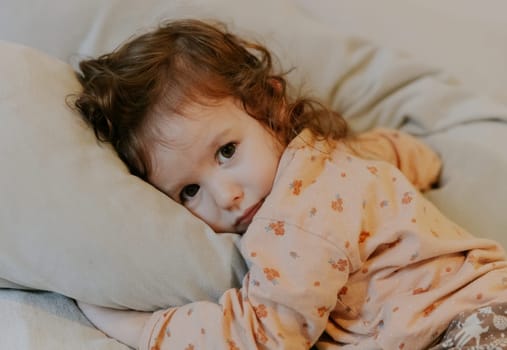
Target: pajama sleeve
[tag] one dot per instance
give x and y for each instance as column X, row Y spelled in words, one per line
column 416, row 160
column 284, row 303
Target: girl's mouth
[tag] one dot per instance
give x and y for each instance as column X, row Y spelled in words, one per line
column 245, row 219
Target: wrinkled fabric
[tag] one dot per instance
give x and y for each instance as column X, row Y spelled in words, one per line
column 345, row 253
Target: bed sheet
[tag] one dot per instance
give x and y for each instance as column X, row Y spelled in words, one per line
column 47, row 321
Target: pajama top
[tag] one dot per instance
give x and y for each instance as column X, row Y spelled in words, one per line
column 345, row 253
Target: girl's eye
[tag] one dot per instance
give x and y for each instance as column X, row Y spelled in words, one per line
column 226, row 152
column 188, row 192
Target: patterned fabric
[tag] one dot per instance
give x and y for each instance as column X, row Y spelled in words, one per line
column 480, row 329
column 345, row 253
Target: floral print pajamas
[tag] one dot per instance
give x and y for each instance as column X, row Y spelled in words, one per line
column 345, row 253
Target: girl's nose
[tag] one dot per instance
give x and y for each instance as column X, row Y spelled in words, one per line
column 228, row 194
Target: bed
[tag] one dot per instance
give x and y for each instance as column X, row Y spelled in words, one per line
column 75, row 224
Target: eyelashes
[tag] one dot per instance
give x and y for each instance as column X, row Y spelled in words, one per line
column 223, row 154
column 188, row 192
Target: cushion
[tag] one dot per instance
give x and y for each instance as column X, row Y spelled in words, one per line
column 72, row 218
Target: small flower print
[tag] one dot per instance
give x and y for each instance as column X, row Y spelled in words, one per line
column 313, row 211
column 277, row 227
column 407, row 198
column 295, row 186
column 261, row 311
column 190, row 347
column 337, row 204
column 343, row 291
column 322, row 310
column 271, row 274
column 372, row 169
column 384, row 204
column 340, row 264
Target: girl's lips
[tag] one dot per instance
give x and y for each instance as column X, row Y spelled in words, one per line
column 248, row 215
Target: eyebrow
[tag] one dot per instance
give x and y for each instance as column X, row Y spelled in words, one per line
column 216, row 142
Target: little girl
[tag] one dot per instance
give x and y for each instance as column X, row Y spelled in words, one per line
column 343, row 250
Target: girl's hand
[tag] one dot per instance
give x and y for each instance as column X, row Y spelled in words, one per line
column 124, row 325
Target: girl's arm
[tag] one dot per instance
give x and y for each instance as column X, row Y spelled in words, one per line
column 284, row 302
column 125, row 326
column 416, row 160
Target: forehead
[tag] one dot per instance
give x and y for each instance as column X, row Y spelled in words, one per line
column 194, row 123
column 183, row 143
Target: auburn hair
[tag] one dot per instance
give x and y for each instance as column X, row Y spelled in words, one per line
column 182, row 62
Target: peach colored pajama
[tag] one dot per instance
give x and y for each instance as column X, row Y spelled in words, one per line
column 345, row 253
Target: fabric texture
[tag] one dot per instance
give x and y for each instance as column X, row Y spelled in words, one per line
column 43, row 320
column 347, row 246
column 480, row 329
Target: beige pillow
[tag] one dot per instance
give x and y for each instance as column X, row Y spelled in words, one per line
column 74, row 221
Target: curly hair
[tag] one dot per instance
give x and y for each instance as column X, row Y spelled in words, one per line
column 183, row 62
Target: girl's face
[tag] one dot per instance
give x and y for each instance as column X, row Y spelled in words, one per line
column 217, row 161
